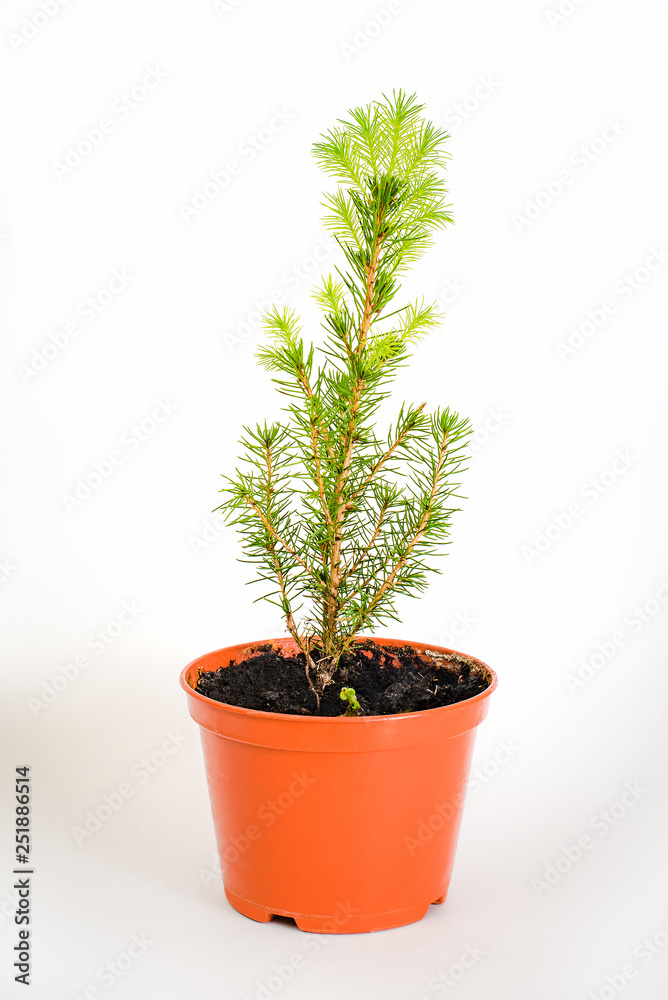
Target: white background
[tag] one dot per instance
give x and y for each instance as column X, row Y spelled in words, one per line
column 536, row 94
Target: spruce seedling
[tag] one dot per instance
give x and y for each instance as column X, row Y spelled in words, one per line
column 348, row 695
column 339, row 519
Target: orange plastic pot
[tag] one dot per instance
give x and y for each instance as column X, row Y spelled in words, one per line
column 344, row 824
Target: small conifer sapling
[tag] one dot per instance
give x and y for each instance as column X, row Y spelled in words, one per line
column 338, row 519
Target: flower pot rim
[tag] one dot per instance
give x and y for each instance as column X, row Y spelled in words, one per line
column 346, row 720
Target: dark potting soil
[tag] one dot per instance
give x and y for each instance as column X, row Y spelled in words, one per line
column 387, row 680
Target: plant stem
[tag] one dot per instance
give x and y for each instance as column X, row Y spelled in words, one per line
column 341, row 506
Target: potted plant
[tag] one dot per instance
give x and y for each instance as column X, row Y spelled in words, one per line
column 337, row 764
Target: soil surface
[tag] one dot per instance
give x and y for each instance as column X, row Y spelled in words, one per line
column 387, row 680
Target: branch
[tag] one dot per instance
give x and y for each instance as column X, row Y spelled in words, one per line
column 334, row 582
column 271, row 548
column 348, row 571
column 383, row 459
column 368, row 309
column 389, row 581
column 272, row 531
column 310, row 395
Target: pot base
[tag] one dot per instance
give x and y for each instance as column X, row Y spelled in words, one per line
column 341, row 922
